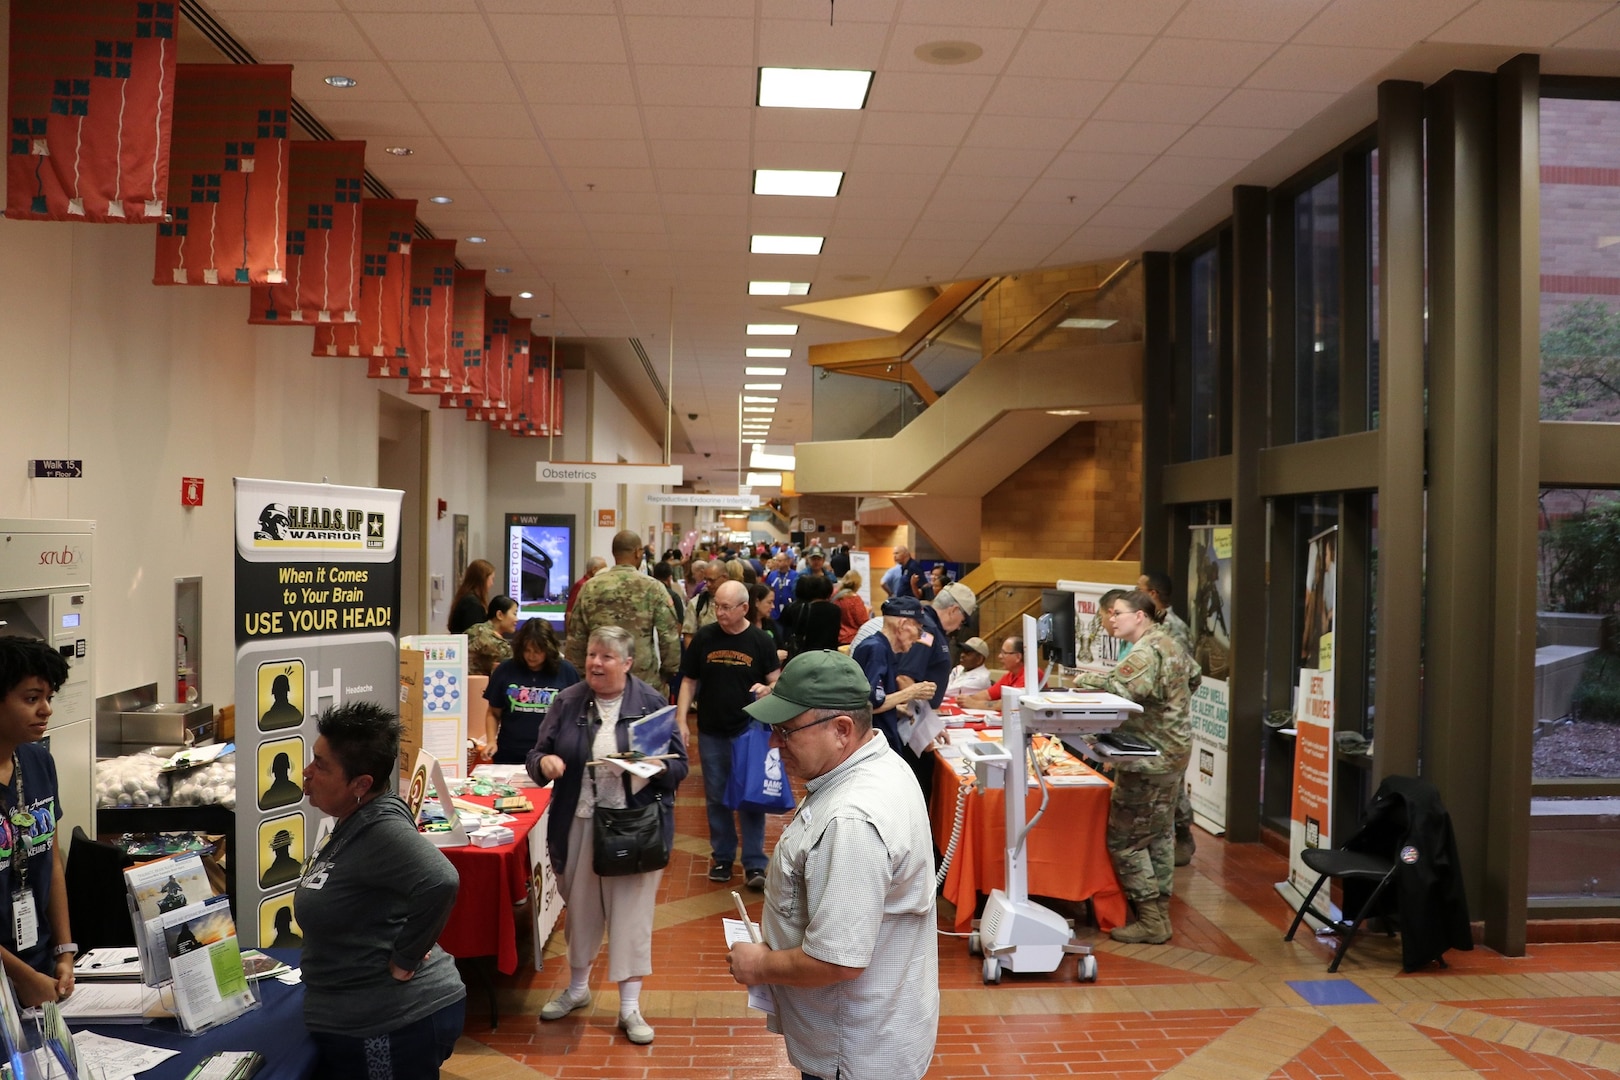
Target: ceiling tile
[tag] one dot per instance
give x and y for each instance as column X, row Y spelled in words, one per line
column 980, row 161
column 664, row 39
column 815, row 43
column 947, row 92
column 464, row 82
column 1138, row 217
column 815, row 156
column 1070, row 98
column 311, row 37
column 581, row 39
column 920, row 129
column 376, row 83
column 506, row 151
column 1095, row 165
column 997, row 45
column 1108, row 16
column 1378, row 22
column 1014, row 13
column 872, row 159
column 691, row 122
column 700, row 154
column 1135, row 102
column 1055, row 192
column 479, row 121
column 1209, row 171
column 575, row 84
column 1212, row 140
column 701, row 181
column 1113, row 137
column 1290, row 109
column 707, row 203
column 588, row 121
column 383, row 120
column 808, row 125
column 1601, row 33
column 1331, row 68
column 439, row 37
column 1159, row 195
column 1526, row 23
column 607, row 153
column 1243, row 20
column 1048, row 134
column 412, row 180
column 684, row 84
column 1198, row 62
column 581, row 179
column 1059, row 54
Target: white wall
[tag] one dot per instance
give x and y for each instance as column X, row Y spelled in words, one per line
column 148, row 384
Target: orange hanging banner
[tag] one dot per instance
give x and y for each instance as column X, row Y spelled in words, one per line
column 433, row 297
column 228, row 175
column 466, row 342
column 91, row 107
column 387, row 231
column 323, row 239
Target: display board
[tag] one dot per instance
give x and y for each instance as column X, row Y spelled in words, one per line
column 540, row 565
column 1209, row 583
column 1311, row 821
column 317, row 623
column 1094, row 649
column 441, row 700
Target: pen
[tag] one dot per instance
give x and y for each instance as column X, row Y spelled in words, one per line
column 753, row 931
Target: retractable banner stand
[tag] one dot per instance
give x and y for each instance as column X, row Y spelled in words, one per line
column 1094, row 649
column 1209, row 583
column 1313, row 717
column 317, row 624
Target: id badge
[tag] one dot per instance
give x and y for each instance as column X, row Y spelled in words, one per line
column 24, row 921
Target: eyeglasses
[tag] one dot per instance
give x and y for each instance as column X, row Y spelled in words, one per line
column 783, row 733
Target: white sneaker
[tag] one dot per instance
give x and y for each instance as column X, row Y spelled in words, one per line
column 635, row 1028
column 563, row 1004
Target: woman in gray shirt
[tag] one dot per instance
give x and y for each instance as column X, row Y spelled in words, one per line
column 381, row 1000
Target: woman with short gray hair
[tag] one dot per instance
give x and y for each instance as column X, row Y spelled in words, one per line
column 587, row 722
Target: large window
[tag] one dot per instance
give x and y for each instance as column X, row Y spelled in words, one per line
column 1580, row 259
column 1316, row 311
column 1204, row 348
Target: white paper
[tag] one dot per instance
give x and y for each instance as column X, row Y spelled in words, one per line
column 926, row 726
column 643, row 768
column 116, row 1059
column 108, row 964
column 291, row 978
column 109, row 1002
column 759, row 997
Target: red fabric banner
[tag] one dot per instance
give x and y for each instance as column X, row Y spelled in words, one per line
column 228, row 173
column 91, row 107
column 323, row 239
column 466, row 342
column 536, row 390
column 497, row 357
column 512, row 388
column 433, row 296
column 387, row 230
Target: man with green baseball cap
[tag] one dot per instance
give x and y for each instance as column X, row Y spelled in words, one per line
column 848, row 921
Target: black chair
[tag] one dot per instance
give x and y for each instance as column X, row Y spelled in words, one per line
column 1352, row 866
column 97, row 911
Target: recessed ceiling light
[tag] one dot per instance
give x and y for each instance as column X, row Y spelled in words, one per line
column 1087, row 324
column 762, row 386
column 786, row 245
column 525, row 295
column 399, row 151
column 342, row 82
column 503, row 269
column 815, row 184
column 764, row 353
column 778, row 288
column 749, row 399
column 442, row 200
column 1068, row 412
column 812, row 88
column 477, row 240
column 759, row 408
column 948, row 52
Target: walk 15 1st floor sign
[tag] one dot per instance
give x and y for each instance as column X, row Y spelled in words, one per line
column 317, row 624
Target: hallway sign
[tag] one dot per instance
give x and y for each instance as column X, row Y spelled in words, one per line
column 317, row 624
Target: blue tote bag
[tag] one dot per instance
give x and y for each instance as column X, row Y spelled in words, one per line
column 758, row 782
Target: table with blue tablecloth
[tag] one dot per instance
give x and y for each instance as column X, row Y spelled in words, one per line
column 275, row 1029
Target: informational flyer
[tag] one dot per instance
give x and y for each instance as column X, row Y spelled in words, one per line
column 317, row 624
column 443, row 698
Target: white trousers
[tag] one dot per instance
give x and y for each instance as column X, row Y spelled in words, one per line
column 621, row 907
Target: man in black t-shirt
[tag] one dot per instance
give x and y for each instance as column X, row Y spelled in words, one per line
column 728, row 664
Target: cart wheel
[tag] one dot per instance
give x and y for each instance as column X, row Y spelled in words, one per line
column 992, row 971
column 1088, row 969
column 975, row 946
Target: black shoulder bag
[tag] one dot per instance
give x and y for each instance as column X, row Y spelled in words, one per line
column 628, row 840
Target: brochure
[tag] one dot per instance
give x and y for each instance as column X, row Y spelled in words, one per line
column 652, row 734
column 168, row 884
column 205, row 961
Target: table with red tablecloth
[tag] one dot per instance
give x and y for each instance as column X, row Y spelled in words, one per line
column 1066, row 851
column 492, row 880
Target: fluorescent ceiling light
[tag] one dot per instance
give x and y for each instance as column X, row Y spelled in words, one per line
column 757, row 352
column 814, row 183
column 759, row 408
column 762, row 386
column 1087, row 324
column 812, row 88
column 767, row 370
column 754, row 442
column 778, row 288
column 786, row 245
column 762, row 458
column 767, row 329
column 764, row 479
column 750, row 399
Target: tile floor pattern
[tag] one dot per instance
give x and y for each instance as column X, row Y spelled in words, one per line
column 1215, row 1003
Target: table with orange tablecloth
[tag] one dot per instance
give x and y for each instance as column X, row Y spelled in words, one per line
column 492, row 880
column 1066, row 852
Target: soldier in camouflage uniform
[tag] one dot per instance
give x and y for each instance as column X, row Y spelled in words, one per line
column 1160, row 676
column 623, row 596
column 1159, row 586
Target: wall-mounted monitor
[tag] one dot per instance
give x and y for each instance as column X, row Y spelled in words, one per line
column 540, row 564
column 1057, row 627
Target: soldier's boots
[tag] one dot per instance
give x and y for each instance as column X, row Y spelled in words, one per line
column 1185, row 846
column 1152, row 925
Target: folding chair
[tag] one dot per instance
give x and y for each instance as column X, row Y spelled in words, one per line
column 1350, row 865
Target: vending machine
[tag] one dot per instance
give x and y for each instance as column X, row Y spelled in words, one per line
column 45, row 593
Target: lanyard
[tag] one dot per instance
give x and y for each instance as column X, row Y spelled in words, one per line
column 22, row 821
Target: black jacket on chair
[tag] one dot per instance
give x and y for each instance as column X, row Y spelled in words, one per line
column 1408, row 823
